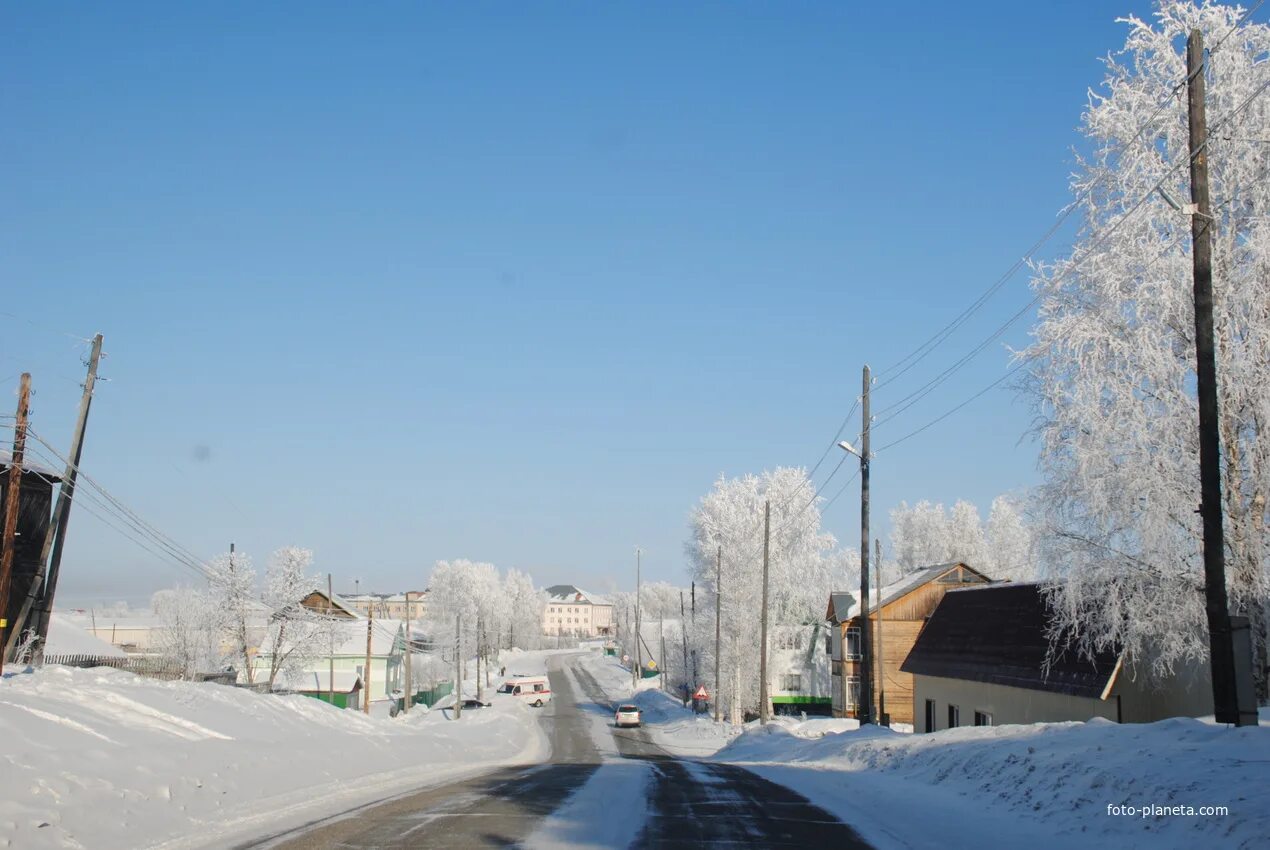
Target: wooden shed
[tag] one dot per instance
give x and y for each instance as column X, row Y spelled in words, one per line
column 35, row 508
column 897, row 614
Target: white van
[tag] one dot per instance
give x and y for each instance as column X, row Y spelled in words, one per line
column 535, row 690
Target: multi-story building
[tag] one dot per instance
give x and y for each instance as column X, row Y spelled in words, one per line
column 573, row 612
column 394, row 606
column 799, row 679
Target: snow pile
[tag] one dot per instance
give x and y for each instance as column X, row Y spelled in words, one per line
column 1051, row 783
column 104, row 759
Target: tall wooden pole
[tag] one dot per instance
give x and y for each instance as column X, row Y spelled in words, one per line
column 864, row 709
column 638, row 669
column 410, row 695
column 683, row 634
column 458, row 666
column 1220, row 642
column 12, row 501
column 881, row 659
column 330, row 612
column 39, row 599
column 718, row 631
column 370, row 623
column 764, row 711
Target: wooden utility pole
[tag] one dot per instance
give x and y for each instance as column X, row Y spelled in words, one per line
column 638, row 669
column 330, row 612
column 410, row 695
column 480, row 693
column 12, row 501
column 864, row 707
column 718, row 608
column 881, row 660
column 1220, row 641
column 683, row 634
column 38, row 598
column 370, row 624
column 764, row 712
column 458, row 666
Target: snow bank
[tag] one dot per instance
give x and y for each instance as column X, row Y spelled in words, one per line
column 104, row 759
column 1050, row 785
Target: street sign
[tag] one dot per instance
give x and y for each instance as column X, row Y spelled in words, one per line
column 701, row 693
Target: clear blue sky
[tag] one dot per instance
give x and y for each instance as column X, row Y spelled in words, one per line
column 516, row 282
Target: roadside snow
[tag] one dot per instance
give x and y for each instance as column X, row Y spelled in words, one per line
column 1048, row 785
column 103, row 759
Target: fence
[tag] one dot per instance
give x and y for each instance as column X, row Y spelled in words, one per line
column 151, row 668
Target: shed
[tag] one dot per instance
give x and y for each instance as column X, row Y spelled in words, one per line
column 317, row 684
column 35, row 508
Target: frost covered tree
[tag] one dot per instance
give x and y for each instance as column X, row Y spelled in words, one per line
column 1010, row 543
column 295, row 634
column 525, row 606
column 472, row 593
column 232, row 581
column 190, row 629
column 1112, row 363
column 802, row 569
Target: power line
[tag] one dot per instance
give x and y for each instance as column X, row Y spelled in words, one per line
column 934, row 341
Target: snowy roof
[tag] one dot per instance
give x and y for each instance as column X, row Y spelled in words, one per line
column 29, row 464
column 906, row 585
column 316, row 681
column 574, row 594
column 999, row 633
column 840, row 602
column 350, row 637
column 66, row 638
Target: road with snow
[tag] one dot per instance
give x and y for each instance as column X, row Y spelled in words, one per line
column 603, row 787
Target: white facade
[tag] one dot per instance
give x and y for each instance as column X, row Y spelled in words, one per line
column 573, row 612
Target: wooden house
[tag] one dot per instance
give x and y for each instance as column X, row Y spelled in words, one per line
column 35, row 508
column 897, row 614
column 982, row 661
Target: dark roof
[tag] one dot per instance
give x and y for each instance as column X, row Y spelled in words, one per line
column 998, row 634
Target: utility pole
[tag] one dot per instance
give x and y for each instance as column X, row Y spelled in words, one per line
column 458, row 667
column 764, row 712
column 40, row 598
column 1220, row 640
column 480, row 693
column 718, row 608
column 409, row 659
column 330, row 612
column 661, row 651
column 683, row 634
column 881, row 660
column 865, row 707
column 370, row 623
column 12, row 500
column 638, row 669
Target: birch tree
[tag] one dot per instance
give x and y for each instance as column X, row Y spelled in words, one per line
column 190, row 629
column 295, row 634
column 802, row 569
column 1112, row 362
column 232, row 581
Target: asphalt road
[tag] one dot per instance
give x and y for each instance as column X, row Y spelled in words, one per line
column 690, row 804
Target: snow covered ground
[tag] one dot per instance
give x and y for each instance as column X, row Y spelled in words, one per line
column 104, row 759
column 1049, row 785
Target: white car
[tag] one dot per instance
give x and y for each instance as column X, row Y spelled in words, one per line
column 627, row 715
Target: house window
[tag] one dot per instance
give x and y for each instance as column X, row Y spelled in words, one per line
column 853, row 691
column 954, row 717
column 930, row 715
column 788, row 640
column 983, row 718
column 853, row 642
column 829, row 643
column 791, row 682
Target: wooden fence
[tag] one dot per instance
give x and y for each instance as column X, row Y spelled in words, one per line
column 151, row 668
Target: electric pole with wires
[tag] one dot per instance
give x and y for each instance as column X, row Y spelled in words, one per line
column 12, row 501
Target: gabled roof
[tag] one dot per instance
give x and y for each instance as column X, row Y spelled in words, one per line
column 840, row 602
column 30, row 465
column 317, row 681
column 337, row 602
column 999, row 634
column 907, row 584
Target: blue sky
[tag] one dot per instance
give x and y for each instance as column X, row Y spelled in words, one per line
column 517, row 282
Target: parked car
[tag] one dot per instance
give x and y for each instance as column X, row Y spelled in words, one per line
column 534, row 690
column 626, row 715
column 475, row 703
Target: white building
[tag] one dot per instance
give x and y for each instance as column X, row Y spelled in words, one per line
column 573, row 612
column 798, row 670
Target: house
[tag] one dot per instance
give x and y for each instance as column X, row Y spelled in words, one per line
column 574, row 612
column 799, row 680
column 394, row 606
column 347, row 650
column 347, row 692
column 35, row 508
column 981, row 660
column 897, row 614
column 334, row 606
